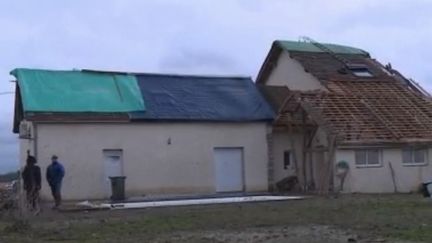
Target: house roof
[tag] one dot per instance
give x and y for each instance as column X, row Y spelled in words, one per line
column 97, row 95
column 384, row 108
column 372, row 111
column 326, row 68
column 275, row 95
column 293, row 47
column 283, row 102
column 177, row 97
column 76, row 91
column 303, row 46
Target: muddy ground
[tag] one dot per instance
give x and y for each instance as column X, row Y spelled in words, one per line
column 291, row 234
column 353, row 218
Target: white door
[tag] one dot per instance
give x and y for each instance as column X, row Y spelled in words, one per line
column 113, row 160
column 229, row 169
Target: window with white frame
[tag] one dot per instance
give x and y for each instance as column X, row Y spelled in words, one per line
column 414, row 156
column 360, row 70
column 368, row 157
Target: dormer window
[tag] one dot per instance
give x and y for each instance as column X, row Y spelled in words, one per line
column 360, row 70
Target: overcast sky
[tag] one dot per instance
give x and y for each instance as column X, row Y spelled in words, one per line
column 198, row 36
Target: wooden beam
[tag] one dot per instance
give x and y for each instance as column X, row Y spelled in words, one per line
column 312, row 136
column 311, row 185
column 293, row 149
column 377, row 115
column 285, row 102
column 304, row 154
column 325, row 179
column 281, row 108
column 309, row 157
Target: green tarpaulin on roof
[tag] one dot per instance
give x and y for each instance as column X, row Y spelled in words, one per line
column 310, row 47
column 77, row 91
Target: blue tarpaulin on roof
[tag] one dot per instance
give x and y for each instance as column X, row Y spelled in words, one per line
column 172, row 97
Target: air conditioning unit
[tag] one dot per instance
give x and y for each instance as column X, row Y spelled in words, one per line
column 25, row 130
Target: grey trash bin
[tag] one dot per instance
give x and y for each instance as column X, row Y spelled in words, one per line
column 427, row 189
column 118, row 188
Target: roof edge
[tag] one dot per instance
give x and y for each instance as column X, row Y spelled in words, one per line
column 177, row 75
column 269, row 63
column 15, row 71
column 301, row 46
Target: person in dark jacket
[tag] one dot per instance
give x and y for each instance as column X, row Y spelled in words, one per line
column 32, row 182
column 54, row 174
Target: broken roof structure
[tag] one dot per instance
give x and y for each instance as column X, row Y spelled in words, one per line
column 361, row 102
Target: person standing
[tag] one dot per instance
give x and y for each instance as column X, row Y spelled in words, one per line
column 32, row 182
column 54, row 175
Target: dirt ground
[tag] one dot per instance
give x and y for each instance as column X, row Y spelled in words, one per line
column 289, row 234
column 349, row 218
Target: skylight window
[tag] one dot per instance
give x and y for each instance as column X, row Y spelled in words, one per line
column 362, row 72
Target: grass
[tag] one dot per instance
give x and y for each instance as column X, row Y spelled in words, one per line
column 402, row 217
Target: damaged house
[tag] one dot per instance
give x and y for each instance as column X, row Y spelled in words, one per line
column 345, row 122
column 320, row 118
column 168, row 134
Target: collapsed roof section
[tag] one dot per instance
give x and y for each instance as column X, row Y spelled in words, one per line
column 381, row 107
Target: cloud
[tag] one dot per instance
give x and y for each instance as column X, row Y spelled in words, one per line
column 193, row 60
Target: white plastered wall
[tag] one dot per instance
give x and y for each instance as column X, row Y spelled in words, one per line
column 159, row 158
column 289, row 72
column 282, row 142
column 315, row 162
column 26, row 144
column 379, row 179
